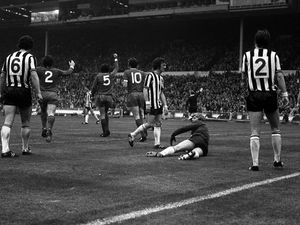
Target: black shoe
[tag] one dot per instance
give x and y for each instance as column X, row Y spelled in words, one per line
column 130, row 140
column 9, row 154
column 98, row 121
column 49, row 136
column 26, row 151
column 142, row 139
column 254, row 168
column 44, row 132
column 278, row 164
column 159, row 147
column 105, row 134
column 84, row 123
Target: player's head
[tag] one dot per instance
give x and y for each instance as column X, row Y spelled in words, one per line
column 192, row 92
column 48, row 61
column 196, row 116
column 25, row 42
column 104, row 68
column 159, row 63
column 262, row 38
column 132, row 62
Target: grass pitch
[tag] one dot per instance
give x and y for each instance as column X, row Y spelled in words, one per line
column 80, row 177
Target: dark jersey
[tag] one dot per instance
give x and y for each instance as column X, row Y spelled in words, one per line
column 17, row 68
column 103, row 84
column 49, row 78
column 197, row 129
column 192, row 102
column 135, row 80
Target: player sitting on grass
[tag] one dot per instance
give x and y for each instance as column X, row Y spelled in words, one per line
column 195, row 146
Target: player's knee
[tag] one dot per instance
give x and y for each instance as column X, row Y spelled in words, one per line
column 157, row 124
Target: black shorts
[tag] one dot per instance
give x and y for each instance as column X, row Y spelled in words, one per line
column 199, row 142
column 49, row 97
column 155, row 112
column 258, row 101
column 136, row 99
column 193, row 109
column 17, row 96
column 104, row 101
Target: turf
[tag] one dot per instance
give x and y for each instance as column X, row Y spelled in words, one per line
column 80, row 177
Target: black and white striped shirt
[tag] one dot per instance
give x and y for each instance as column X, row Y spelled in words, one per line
column 261, row 65
column 155, row 85
column 17, row 68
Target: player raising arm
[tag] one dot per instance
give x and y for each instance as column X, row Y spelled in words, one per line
column 49, row 78
column 102, row 91
column 195, row 146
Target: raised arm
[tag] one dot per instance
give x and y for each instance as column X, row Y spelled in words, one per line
column 70, row 70
column 116, row 64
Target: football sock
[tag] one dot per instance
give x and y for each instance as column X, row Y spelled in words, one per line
column 44, row 119
column 254, row 147
column 168, row 151
column 103, row 124
column 86, row 118
column 157, row 133
column 25, row 133
column 276, row 143
column 107, row 123
column 50, row 121
column 5, row 135
column 138, row 130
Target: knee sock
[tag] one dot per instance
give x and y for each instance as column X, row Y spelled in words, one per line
column 157, row 133
column 168, row 151
column 254, row 147
column 5, row 135
column 50, row 121
column 25, row 134
column 276, row 143
column 86, row 118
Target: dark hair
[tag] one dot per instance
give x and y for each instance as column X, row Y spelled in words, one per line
column 25, row 42
column 48, row 61
column 104, row 68
column 132, row 62
column 157, row 63
column 262, row 38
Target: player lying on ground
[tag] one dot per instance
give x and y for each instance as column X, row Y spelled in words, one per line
column 195, row 146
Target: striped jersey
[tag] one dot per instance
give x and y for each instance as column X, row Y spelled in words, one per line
column 135, row 80
column 17, row 68
column 261, row 65
column 87, row 99
column 155, row 85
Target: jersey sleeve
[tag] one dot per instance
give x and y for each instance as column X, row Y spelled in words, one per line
column 277, row 63
column 148, row 80
column 32, row 63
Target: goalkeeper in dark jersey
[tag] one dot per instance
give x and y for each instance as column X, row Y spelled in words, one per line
column 193, row 147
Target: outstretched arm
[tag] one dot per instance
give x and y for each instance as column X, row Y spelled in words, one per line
column 116, row 64
column 70, row 70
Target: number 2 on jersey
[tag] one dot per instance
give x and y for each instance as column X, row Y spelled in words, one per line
column 48, row 78
column 260, row 68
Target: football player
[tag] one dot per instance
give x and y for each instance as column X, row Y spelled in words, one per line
column 194, row 147
column 102, row 90
column 89, row 107
column 134, row 79
column 49, row 78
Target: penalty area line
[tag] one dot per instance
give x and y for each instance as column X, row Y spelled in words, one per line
column 189, row 201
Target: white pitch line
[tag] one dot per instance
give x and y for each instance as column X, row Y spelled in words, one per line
column 173, row 205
